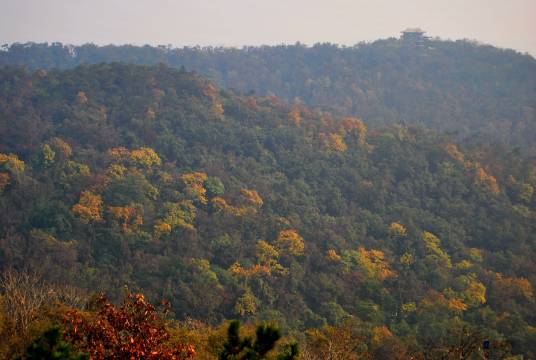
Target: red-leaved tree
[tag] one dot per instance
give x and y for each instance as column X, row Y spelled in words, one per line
column 130, row 331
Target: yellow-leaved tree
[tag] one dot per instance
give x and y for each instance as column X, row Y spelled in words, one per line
column 89, row 207
column 144, row 157
column 434, row 253
column 455, row 153
column 11, row 163
column 246, row 304
column 251, row 197
column 194, row 186
column 333, row 142
column 290, row 242
column 295, row 114
column 62, row 148
column 373, row 264
column 356, row 128
column 267, row 257
column 5, row 179
column 397, row 230
column 472, row 291
column 332, row 255
column 176, row 215
column 266, row 254
column 486, row 181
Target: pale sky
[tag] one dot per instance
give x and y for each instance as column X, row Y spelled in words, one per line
column 503, row 23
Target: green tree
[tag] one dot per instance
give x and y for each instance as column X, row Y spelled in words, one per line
column 266, row 337
column 51, row 346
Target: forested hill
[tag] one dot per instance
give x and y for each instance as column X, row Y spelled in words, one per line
column 479, row 93
column 234, row 206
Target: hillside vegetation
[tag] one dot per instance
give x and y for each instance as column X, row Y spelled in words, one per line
column 478, row 93
column 235, row 206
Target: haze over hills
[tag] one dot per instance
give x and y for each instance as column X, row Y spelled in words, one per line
column 239, row 206
column 478, row 93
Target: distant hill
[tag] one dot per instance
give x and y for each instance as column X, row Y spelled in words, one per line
column 236, row 206
column 478, row 93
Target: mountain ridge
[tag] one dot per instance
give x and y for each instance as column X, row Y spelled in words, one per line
column 476, row 92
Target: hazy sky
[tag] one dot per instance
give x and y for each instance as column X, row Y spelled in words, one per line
column 504, row 23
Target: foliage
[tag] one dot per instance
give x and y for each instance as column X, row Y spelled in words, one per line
column 475, row 91
column 51, row 346
column 266, row 337
column 133, row 330
column 89, row 208
column 251, row 215
column 289, row 241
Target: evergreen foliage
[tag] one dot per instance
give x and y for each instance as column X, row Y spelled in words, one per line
column 266, row 337
column 51, row 346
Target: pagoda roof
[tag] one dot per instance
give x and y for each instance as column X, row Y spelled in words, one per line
column 414, row 30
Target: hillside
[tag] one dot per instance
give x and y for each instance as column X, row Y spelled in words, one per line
column 478, row 93
column 234, row 206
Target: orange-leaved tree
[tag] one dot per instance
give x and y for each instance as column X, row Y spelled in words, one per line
column 133, row 330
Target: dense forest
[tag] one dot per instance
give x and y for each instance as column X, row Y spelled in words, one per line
column 478, row 93
column 383, row 242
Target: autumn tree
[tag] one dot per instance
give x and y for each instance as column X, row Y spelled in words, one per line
column 143, row 157
column 374, row 264
column 342, row 342
column 333, row 142
column 266, row 254
column 355, row 128
column 399, row 234
column 472, row 291
column 484, row 180
column 435, row 255
column 290, row 242
column 10, row 168
column 89, row 207
column 176, row 215
column 27, row 304
column 129, row 218
column 397, row 230
column 61, row 147
column 47, row 155
column 194, row 186
column 24, row 295
column 134, row 330
column 251, row 197
column 295, row 114
column 371, row 263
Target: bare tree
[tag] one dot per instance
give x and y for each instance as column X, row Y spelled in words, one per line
column 24, row 294
column 333, row 343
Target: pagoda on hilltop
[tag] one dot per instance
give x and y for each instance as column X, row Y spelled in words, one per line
column 414, row 35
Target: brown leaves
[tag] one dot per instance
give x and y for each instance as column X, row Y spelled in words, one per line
column 132, row 331
column 129, row 217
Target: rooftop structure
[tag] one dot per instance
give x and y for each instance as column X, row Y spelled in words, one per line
column 414, row 34
column 418, row 31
